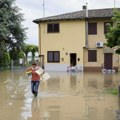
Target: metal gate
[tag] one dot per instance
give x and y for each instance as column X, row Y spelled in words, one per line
column 41, row 61
column 17, row 64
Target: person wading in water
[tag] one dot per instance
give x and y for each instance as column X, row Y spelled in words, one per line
column 35, row 79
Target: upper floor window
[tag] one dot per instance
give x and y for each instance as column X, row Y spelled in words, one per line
column 53, row 56
column 92, row 55
column 92, row 28
column 53, row 27
column 106, row 26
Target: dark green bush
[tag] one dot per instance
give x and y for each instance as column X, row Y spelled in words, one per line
column 5, row 60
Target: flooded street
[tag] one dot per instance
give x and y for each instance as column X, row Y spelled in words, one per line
column 65, row 96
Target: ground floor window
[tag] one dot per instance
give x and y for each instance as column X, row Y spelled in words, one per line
column 92, row 55
column 53, row 56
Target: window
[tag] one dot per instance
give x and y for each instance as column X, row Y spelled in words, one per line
column 92, row 28
column 92, row 55
column 53, row 56
column 106, row 25
column 53, row 27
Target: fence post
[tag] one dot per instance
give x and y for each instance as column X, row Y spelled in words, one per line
column 119, row 90
column 12, row 64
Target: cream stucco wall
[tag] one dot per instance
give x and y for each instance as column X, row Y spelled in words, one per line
column 99, row 37
column 92, row 40
column 70, row 39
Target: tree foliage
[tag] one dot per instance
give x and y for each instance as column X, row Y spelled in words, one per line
column 12, row 33
column 26, row 49
column 30, row 48
column 113, row 35
column 16, row 54
column 34, row 49
column 5, row 61
column 11, row 29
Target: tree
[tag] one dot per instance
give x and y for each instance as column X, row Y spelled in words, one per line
column 113, row 35
column 34, row 49
column 30, row 48
column 11, row 29
column 12, row 33
column 16, row 54
column 5, row 61
column 26, row 49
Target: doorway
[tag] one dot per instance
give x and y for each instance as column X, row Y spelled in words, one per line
column 72, row 59
column 108, row 61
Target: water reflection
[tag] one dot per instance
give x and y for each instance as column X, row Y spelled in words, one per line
column 66, row 96
column 35, row 110
column 108, row 80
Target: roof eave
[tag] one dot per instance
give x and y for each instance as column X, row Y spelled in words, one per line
column 50, row 20
column 35, row 21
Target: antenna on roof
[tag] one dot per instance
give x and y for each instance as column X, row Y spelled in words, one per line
column 43, row 8
column 86, row 9
column 114, row 3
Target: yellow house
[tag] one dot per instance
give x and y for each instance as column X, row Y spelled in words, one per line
column 76, row 39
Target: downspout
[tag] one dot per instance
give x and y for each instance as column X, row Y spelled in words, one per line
column 39, row 39
column 40, row 44
column 86, row 25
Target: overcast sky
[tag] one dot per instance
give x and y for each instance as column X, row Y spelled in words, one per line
column 33, row 9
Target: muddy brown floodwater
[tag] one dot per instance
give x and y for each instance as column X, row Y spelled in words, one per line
column 65, row 96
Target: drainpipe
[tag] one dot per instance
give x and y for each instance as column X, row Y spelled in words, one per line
column 39, row 39
column 86, row 24
column 39, row 43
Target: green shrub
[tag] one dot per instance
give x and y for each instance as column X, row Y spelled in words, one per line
column 5, row 60
column 113, row 91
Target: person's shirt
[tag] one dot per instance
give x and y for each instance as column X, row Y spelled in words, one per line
column 35, row 76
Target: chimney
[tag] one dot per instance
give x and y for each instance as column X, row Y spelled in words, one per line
column 85, row 9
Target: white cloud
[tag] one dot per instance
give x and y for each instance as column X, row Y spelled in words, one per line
column 33, row 9
column 30, row 13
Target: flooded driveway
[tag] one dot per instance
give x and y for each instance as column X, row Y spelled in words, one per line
column 65, row 96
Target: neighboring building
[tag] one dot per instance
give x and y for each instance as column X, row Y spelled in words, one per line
column 76, row 39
